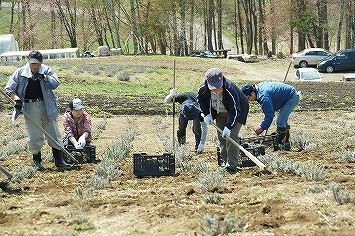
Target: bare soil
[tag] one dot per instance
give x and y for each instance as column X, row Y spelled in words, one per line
column 273, row 203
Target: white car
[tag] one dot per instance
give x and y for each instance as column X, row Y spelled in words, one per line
column 309, row 57
column 308, row 74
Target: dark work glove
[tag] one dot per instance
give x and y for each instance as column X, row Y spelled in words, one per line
column 38, row 76
column 18, row 105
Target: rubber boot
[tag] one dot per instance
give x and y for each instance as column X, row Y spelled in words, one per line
column 287, row 139
column 281, row 137
column 181, row 139
column 197, row 142
column 36, row 163
column 59, row 160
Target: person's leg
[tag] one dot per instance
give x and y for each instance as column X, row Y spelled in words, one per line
column 34, row 134
column 196, row 129
column 181, row 132
column 283, row 128
column 232, row 149
column 285, row 111
column 52, row 128
column 221, row 120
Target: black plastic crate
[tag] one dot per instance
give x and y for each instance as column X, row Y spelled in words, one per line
column 265, row 140
column 85, row 155
column 148, row 165
column 244, row 160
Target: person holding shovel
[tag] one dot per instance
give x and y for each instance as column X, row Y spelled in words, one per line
column 274, row 96
column 77, row 125
column 189, row 110
column 221, row 100
column 31, row 87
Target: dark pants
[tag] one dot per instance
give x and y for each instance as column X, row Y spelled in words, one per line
column 196, row 128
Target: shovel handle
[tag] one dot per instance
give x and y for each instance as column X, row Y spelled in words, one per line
column 5, row 172
column 247, row 153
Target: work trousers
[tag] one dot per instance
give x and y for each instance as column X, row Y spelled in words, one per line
column 196, row 128
column 229, row 151
column 36, row 110
column 285, row 111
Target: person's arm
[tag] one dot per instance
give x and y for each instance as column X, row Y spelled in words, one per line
column 204, row 131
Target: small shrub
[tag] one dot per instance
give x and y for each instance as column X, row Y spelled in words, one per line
column 210, row 181
column 211, row 225
column 212, row 198
column 341, row 195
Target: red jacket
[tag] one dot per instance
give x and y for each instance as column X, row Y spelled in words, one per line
column 76, row 130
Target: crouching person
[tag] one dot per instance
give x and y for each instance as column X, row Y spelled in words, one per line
column 189, row 110
column 274, row 96
column 77, row 125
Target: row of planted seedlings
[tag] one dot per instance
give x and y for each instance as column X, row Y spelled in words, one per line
column 210, row 180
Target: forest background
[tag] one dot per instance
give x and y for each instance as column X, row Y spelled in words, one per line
column 181, row 27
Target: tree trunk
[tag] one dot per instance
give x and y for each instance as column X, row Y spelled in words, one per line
column 209, row 25
column 236, row 26
column 191, row 27
column 340, row 24
column 219, row 17
column 134, row 27
column 240, row 27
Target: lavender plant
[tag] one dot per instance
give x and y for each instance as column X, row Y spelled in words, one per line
column 211, row 225
column 312, row 172
column 341, row 194
column 346, row 155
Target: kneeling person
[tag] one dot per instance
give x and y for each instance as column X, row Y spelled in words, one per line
column 77, row 125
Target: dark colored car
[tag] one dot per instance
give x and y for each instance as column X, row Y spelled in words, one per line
column 342, row 60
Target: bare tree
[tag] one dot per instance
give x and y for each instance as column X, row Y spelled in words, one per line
column 67, row 12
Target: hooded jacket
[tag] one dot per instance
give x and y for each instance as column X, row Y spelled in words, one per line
column 234, row 101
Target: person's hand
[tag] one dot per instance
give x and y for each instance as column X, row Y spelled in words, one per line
column 38, row 76
column 208, row 119
column 200, row 148
column 172, row 92
column 226, row 132
column 259, row 131
column 82, row 141
column 18, row 105
column 78, row 146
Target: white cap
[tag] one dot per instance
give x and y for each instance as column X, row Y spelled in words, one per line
column 77, row 104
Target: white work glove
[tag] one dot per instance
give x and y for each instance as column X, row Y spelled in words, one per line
column 172, row 92
column 82, row 141
column 170, row 96
column 226, row 132
column 208, row 119
column 78, row 146
column 200, row 148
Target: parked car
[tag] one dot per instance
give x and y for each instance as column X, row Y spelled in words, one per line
column 309, row 57
column 342, row 60
column 349, row 77
column 308, row 74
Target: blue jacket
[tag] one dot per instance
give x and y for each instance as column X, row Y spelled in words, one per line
column 18, row 83
column 272, row 96
column 234, row 101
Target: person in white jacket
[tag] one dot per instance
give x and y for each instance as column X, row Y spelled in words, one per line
column 31, row 87
column 189, row 110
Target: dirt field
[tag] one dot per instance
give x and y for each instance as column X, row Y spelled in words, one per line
column 271, row 203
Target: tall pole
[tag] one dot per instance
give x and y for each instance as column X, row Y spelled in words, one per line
column 174, row 108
